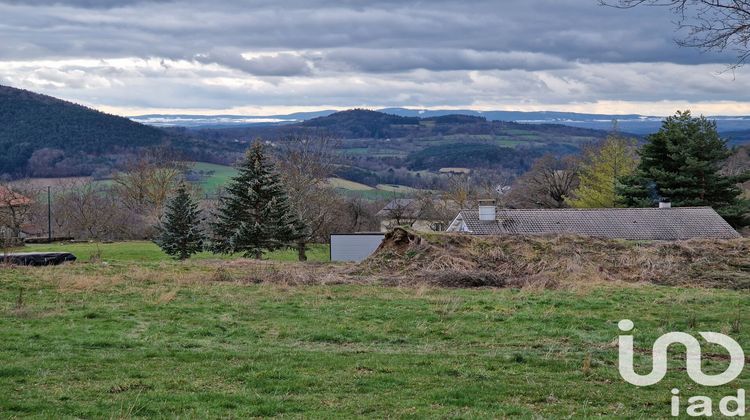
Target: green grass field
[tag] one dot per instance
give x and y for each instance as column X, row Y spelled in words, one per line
column 348, row 185
column 379, row 192
column 142, row 251
column 219, row 177
column 401, row 189
column 369, row 194
column 165, row 339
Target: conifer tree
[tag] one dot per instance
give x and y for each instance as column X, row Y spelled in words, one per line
column 255, row 214
column 180, row 234
column 601, row 171
column 682, row 162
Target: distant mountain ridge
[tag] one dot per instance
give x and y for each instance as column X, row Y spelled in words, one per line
column 363, row 124
column 632, row 123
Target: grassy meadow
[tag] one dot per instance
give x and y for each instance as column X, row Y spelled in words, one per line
column 144, row 251
column 216, row 176
column 144, row 336
column 379, row 192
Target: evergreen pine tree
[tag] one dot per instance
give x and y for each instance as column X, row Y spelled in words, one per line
column 255, row 213
column 180, row 234
column 682, row 161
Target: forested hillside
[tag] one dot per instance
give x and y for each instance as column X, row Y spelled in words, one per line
column 374, row 146
column 31, row 122
column 44, row 136
column 359, row 124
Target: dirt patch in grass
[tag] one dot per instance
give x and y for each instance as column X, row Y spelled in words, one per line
column 549, row 262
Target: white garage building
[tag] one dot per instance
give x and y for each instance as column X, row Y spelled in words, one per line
column 354, row 247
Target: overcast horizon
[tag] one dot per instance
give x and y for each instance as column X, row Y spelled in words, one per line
column 263, row 57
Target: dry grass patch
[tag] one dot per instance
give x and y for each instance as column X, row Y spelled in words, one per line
column 442, row 260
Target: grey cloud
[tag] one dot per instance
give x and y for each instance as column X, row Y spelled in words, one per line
column 354, row 52
column 93, row 4
column 282, row 64
column 584, row 83
column 396, row 60
column 569, row 29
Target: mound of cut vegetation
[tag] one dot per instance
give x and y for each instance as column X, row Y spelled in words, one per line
column 456, row 260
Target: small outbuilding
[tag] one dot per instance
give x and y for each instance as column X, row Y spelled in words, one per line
column 354, row 247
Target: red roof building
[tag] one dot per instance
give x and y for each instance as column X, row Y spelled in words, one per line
column 10, row 198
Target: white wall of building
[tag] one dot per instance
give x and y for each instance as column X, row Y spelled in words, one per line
column 354, row 247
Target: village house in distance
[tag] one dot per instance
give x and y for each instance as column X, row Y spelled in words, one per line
column 665, row 223
column 14, row 212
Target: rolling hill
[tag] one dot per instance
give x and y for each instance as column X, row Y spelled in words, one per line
column 376, row 141
column 34, row 122
column 44, row 136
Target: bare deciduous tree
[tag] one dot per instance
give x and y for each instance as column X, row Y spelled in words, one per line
column 710, row 25
column 147, row 182
column 305, row 164
column 739, row 163
column 547, row 185
column 461, row 190
column 402, row 212
column 494, row 184
column 359, row 215
column 424, row 210
column 438, row 209
column 91, row 210
column 15, row 208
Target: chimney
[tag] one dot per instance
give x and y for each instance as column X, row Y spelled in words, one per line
column 487, row 210
column 664, row 203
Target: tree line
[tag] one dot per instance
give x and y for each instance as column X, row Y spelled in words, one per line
column 279, row 198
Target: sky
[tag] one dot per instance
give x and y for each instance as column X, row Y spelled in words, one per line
column 266, row 57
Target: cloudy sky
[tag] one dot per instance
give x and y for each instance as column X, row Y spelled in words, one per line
column 261, row 57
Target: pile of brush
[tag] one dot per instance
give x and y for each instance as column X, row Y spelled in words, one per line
column 458, row 260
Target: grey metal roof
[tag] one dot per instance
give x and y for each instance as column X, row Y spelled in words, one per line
column 632, row 223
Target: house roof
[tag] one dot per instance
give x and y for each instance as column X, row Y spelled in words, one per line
column 632, row 223
column 9, row 198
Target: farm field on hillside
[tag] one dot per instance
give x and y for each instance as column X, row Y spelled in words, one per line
column 348, row 185
column 201, row 339
column 379, row 192
column 219, row 175
column 216, row 175
column 397, row 188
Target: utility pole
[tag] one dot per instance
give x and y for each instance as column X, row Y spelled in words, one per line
column 49, row 214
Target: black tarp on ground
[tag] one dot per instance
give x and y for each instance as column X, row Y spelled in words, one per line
column 37, row 258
